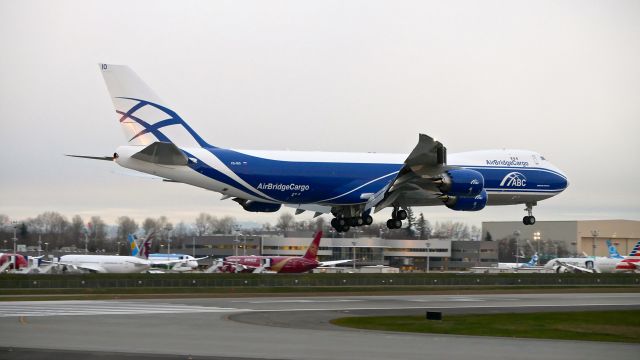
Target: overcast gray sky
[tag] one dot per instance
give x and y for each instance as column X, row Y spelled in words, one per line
column 558, row 77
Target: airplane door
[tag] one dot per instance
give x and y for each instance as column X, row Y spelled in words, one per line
column 267, row 263
column 536, row 160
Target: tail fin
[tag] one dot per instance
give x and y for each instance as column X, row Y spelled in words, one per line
column 534, row 260
column 613, row 252
column 145, row 248
column 312, row 251
column 133, row 245
column 144, row 117
column 636, row 250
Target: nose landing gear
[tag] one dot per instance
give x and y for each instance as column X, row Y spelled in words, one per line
column 530, row 219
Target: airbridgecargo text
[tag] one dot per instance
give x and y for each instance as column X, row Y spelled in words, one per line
column 283, row 187
column 508, row 163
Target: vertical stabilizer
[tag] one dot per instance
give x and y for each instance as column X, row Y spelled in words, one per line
column 613, row 252
column 144, row 117
column 312, row 251
column 133, row 244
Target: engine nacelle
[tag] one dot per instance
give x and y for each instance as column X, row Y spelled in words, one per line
column 256, row 206
column 467, row 203
column 461, row 182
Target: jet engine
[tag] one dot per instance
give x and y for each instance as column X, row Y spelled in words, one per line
column 466, row 203
column 256, row 206
column 460, row 182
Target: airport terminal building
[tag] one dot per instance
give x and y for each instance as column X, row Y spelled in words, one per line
column 406, row 254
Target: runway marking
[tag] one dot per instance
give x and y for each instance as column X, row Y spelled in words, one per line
column 443, row 307
column 63, row 308
column 296, row 301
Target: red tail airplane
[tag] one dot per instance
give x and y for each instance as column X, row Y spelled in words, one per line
column 279, row 264
column 20, row 261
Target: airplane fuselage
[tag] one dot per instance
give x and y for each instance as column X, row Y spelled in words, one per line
column 330, row 179
column 106, row 263
column 280, row 264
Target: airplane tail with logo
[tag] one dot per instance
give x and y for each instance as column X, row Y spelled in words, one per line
column 143, row 250
column 133, row 244
column 144, row 117
column 613, row 252
column 636, row 250
column 312, row 251
column 533, row 261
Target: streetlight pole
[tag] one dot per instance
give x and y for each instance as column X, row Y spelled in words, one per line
column 595, row 234
column 536, row 237
column 516, row 234
column 354, row 254
column 428, row 246
column 15, row 243
column 168, row 228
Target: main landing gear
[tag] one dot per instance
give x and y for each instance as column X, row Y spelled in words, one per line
column 396, row 218
column 343, row 224
column 530, row 219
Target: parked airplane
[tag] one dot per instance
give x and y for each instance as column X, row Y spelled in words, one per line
column 347, row 185
column 110, row 263
column 279, row 264
column 12, row 261
column 179, row 262
column 597, row 264
column 531, row 263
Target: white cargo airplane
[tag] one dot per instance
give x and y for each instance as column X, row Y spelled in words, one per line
column 530, row 264
column 598, row 264
column 179, row 262
column 113, row 264
column 347, row 185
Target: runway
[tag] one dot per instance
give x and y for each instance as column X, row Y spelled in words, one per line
column 286, row 328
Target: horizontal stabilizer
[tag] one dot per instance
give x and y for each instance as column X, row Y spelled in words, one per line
column 106, row 158
column 163, row 153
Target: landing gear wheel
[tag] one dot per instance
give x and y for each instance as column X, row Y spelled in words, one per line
column 394, row 224
column 356, row 221
column 345, row 228
column 400, row 215
column 529, row 220
column 334, row 223
column 367, row 220
column 390, row 224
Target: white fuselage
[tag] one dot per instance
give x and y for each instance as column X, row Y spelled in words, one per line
column 106, row 263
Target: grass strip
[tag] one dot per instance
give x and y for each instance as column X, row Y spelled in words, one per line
column 615, row 326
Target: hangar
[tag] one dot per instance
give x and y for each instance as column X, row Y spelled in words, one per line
column 577, row 237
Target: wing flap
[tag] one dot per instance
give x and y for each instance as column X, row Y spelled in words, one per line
column 415, row 180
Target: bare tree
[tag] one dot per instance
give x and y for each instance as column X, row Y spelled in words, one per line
column 226, row 225
column 97, row 234
column 320, row 223
column 285, row 221
column 126, row 226
column 203, row 224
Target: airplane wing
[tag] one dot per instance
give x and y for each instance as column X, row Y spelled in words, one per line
column 168, row 262
column 414, row 184
column 575, row 267
column 88, row 267
column 333, row 262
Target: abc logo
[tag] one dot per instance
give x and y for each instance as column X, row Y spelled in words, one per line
column 514, row 179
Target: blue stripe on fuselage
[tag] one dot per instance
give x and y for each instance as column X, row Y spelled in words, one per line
column 309, row 182
column 344, row 183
